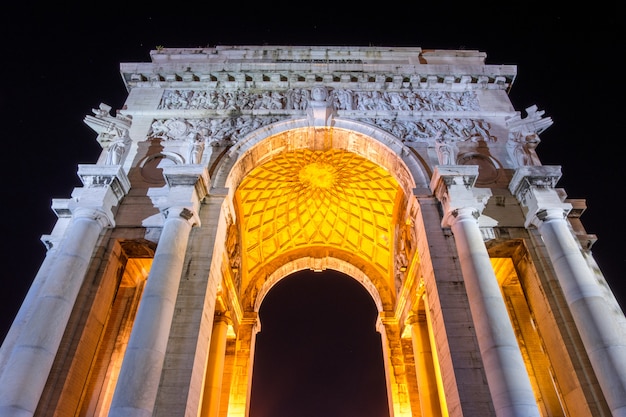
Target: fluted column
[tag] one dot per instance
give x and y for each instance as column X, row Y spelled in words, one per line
column 137, row 386
column 215, row 367
column 601, row 329
column 27, row 365
column 508, row 381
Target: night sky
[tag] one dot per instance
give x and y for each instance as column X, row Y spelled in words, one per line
column 57, row 66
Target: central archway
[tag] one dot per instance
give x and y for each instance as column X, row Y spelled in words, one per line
column 329, row 359
column 318, row 199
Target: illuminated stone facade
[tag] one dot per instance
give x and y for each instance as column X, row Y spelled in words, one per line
column 230, row 168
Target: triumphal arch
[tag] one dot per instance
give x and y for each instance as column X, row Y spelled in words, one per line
column 229, row 168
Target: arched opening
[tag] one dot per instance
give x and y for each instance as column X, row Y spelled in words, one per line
column 330, row 360
column 316, row 200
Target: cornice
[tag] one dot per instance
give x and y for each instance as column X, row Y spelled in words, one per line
column 281, row 67
column 279, row 77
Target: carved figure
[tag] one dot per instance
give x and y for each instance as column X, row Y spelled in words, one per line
column 522, row 147
column 117, row 149
column 446, row 152
column 196, row 150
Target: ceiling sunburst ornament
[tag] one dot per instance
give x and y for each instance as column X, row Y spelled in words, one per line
column 318, row 175
column 307, row 198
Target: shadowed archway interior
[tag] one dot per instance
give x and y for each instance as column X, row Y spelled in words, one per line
column 325, row 326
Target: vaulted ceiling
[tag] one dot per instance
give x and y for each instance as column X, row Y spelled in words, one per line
column 303, row 199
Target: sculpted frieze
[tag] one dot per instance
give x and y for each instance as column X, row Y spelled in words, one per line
column 342, row 99
column 214, row 132
column 412, row 101
column 440, row 130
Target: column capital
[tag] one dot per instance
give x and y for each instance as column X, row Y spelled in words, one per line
column 415, row 318
column 453, row 185
column 537, row 176
column 188, row 185
column 110, row 176
column 196, row 176
column 251, row 319
column 223, row 316
column 105, row 218
column 445, row 176
column 104, row 186
column 534, row 188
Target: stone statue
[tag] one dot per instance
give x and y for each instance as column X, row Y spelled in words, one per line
column 117, row 150
column 446, row 152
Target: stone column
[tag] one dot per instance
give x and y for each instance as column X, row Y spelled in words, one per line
column 215, row 367
column 397, row 386
column 507, row 377
column 137, row 386
column 425, row 368
column 239, row 402
column 601, row 329
column 25, row 371
column 30, row 301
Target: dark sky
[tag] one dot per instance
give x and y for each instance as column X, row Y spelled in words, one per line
column 59, row 64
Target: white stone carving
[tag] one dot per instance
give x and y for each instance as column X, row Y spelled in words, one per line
column 320, row 111
column 521, row 149
column 342, row 99
column 524, row 136
column 117, row 149
column 446, row 152
column 214, row 132
column 429, row 130
column 534, row 122
column 109, row 128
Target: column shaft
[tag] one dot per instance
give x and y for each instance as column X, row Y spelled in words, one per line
column 215, row 369
column 427, row 382
column 597, row 324
column 138, row 382
column 507, row 377
column 24, row 374
column 239, row 403
column 29, row 303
